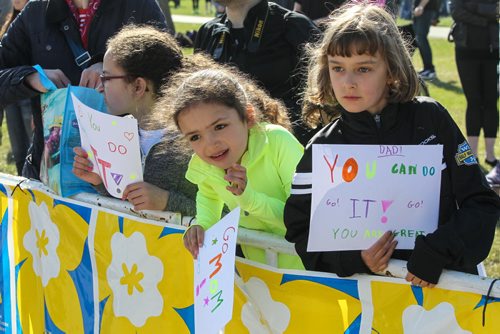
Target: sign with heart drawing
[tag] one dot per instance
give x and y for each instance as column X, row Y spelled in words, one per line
column 112, row 144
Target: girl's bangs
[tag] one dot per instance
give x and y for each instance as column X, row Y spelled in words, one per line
column 353, row 42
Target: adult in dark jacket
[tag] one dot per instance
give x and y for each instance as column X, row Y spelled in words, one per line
column 266, row 41
column 36, row 37
column 476, row 53
column 317, row 9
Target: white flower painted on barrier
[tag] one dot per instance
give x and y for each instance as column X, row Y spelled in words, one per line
column 41, row 241
column 273, row 318
column 133, row 276
column 441, row 319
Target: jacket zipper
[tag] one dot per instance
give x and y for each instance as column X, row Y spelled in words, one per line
column 378, row 125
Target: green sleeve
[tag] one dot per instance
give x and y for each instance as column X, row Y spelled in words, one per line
column 286, row 153
column 208, row 206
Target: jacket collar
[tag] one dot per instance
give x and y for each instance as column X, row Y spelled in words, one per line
column 249, row 21
column 364, row 122
column 58, row 10
column 256, row 11
column 258, row 142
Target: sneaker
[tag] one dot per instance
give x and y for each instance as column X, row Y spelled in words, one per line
column 493, row 176
column 491, row 163
column 427, row 74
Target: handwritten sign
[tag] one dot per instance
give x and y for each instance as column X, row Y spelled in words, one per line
column 359, row 192
column 214, row 275
column 112, row 144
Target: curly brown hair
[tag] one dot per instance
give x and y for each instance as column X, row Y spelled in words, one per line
column 357, row 29
column 223, row 85
column 144, row 51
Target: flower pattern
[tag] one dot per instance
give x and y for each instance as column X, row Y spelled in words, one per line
column 42, row 241
column 133, row 275
column 441, row 319
column 267, row 315
column 145, row 276
column 53, row 235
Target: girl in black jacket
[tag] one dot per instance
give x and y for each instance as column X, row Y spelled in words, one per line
column 362, row 74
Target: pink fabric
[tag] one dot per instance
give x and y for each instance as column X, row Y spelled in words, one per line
column 84, row 17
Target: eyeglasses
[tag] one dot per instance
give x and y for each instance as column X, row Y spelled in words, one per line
column 105, row 78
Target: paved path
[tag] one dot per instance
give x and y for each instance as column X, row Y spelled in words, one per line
column 436, row 32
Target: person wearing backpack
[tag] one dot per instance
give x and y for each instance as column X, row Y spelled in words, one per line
column 266, row 41
column 67, row 38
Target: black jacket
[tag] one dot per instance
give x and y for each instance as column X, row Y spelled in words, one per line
column 35, row 37
column 468, row 210
column 269, row 48
column 431, row 5
column 476, row 24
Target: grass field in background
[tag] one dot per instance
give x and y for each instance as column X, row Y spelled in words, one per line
column 446, row 89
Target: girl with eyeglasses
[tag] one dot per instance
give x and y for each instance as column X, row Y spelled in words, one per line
column 138, row 60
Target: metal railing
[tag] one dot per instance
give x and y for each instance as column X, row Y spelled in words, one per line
column 272, row 244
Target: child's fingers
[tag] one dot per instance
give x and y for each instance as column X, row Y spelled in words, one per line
column 188, row 245
column 80, row 168
column 134, row 190
column 387, row 256
column 82, row 160
column 414, row 280
column 80, row 152
column 82, row 163
column 127, row 191
column 381, row 245
column 237, row 167
column 237, row 185
column 193, row 240
column 386, row 251
column 193, row 245
column 424, row 284
column 235, row 190
column 139, row 205
column 200, row 235
column 135, row 196
column 241, row 173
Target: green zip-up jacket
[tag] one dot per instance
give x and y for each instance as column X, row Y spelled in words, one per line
column 270, row 161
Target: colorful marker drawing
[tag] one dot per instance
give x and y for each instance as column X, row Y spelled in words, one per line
column 112, row 144
column 361, row 191
column 214, row 275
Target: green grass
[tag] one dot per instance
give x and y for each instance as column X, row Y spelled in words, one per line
column 448, row 91
column 186, row 8
column 183, row 27
column 4, row 150
column 444, row 21
column 447, row 88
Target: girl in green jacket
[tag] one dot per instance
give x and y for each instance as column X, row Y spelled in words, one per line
column 238, row 160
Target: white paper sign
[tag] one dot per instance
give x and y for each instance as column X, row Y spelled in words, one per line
column 214, row 276
column 112, row 144
column 361, row 191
